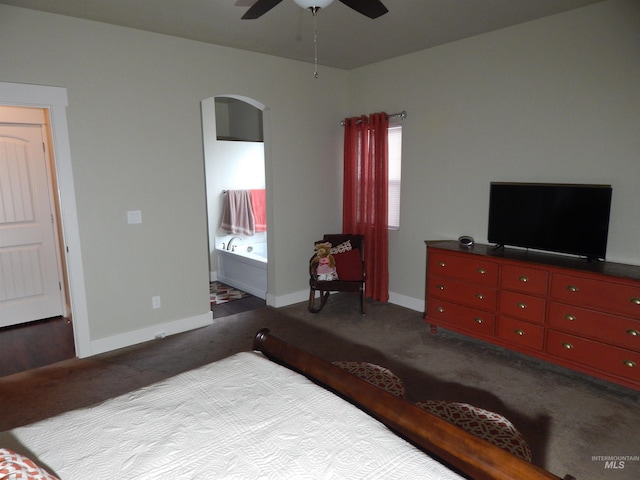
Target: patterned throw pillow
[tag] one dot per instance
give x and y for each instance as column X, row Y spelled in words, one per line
column 14, row 466
column 341, row 248
column 376, row 375
column 490, row 426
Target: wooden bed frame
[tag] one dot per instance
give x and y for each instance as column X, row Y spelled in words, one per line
column 461, row 451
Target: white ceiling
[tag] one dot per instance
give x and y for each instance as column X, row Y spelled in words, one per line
column 346, row 39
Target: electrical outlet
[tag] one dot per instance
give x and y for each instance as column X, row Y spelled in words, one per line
column 155, row 302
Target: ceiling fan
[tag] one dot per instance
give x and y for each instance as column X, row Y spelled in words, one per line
column 369, row 8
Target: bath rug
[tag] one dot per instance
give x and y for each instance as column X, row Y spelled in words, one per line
column 221, row 293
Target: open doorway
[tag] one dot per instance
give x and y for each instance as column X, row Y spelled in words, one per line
column 35, row 313
column 54, row 101
column 234, row 154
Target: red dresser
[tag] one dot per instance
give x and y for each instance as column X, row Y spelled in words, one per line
column 578, row 314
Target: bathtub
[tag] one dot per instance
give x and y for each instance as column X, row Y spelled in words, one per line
column 245, row 268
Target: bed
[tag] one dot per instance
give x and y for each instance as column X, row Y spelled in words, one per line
column 275, row 412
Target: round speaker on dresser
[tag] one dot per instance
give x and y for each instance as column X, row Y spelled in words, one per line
column 466, row 241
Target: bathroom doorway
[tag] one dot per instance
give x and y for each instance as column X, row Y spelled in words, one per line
column 234, row 156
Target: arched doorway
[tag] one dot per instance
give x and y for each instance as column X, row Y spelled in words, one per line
column 234, row 152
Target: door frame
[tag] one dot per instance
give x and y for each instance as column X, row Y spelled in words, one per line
column 54, row 99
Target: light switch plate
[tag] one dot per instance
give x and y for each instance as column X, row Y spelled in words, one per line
column 134, row 216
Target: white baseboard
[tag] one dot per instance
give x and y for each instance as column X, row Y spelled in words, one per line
column 407, row 302
column 303, row 295
column 288, row 299
column 127, row 339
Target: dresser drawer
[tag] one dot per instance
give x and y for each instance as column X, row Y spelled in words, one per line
column 479, row 296
column 522, row 306
column 607, row 328
column 478, row 322
column 605, row 358
column 518, row 332
column 524, row 279
column 612, row 297
column 467, row 267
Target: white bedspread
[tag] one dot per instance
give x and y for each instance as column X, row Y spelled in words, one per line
column 243, row 417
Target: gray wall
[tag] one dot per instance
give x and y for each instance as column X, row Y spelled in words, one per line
column 554, row 100
column 136, row 143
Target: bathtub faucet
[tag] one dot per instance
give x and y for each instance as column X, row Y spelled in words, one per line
column 231, row 241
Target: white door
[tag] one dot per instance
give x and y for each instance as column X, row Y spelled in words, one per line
column 30, row 284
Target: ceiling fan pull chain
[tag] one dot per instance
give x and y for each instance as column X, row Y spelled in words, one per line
column 315, row 43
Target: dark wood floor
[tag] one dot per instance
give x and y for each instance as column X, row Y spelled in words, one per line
column 237, row 306
column 36, row 344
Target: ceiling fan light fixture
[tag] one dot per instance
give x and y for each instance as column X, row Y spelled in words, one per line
column 313, row 3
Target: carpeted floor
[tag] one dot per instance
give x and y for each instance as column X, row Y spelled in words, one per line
column 569, row 420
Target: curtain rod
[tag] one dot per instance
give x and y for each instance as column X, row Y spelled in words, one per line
column 402, row 115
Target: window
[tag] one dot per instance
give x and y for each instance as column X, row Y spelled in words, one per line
column 395, row 163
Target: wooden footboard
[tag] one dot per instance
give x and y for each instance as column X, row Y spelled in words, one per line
column 463, row 452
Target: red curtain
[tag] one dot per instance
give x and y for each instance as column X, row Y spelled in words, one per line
column 365, row 195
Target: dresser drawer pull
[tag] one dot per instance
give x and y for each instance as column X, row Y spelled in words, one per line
column 629, row 363
column 572, row 288
column 440, row 309
column 570, row 317
column 480, row 296
column 568, row 346
column 633, row 333
column 479, row 320
column 635, row 300
column 519, row 332
column 440, row 286
column 521, row 305
column 523, row 279
column 442, row 264
column 482, row 271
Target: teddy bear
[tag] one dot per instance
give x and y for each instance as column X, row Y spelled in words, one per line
column 326, row 269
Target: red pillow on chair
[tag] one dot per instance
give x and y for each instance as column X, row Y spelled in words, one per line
column 349, row 265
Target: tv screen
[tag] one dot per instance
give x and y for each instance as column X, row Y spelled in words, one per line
column 563, row 218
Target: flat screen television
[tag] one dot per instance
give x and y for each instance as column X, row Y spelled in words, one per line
column 563, row 218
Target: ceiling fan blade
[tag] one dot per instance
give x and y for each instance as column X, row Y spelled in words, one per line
column 260, row 8
column 370, row 8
